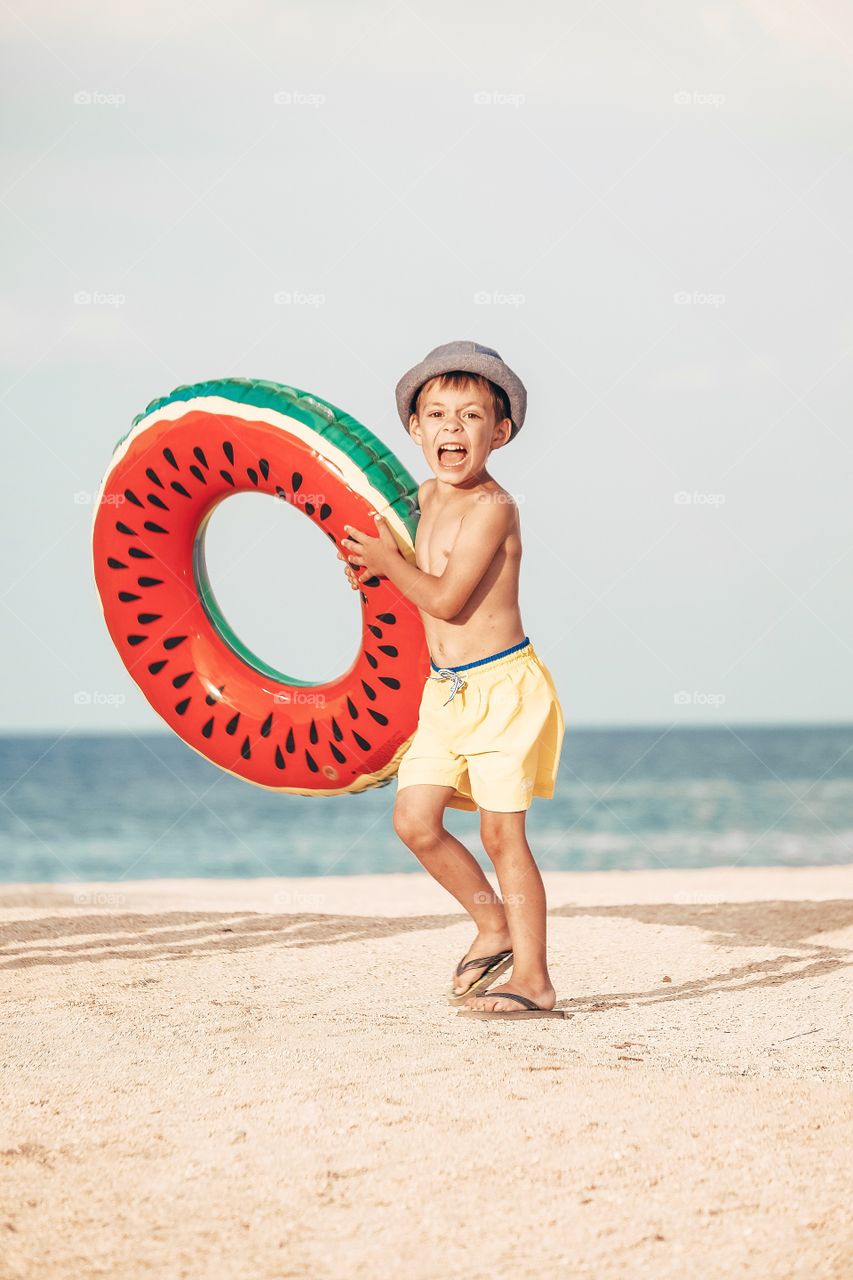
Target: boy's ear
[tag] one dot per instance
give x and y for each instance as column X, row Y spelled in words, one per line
column 501, row 433
column 415, row 428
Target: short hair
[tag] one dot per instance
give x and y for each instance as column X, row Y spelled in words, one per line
column 458, row 379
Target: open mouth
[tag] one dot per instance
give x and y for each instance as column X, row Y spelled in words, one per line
column 452, row 455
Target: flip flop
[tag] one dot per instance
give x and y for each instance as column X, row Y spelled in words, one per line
column 530, row 1010
column 496, row 965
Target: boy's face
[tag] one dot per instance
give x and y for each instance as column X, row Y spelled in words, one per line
column 463, row 419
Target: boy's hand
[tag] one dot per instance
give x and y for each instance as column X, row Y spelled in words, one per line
column 372, row 555
column 350, row 572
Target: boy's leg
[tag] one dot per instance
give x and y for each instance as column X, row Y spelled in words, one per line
column 419, row 822
column 504, row 839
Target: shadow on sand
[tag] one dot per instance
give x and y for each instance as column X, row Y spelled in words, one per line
column 792, row 927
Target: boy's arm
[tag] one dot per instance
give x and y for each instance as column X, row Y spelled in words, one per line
column 423, row 489
column 481, row 533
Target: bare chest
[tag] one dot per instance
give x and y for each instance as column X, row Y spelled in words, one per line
column 435, row 538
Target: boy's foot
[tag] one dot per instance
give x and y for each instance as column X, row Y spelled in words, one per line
column 544, row 997
column 485, row 944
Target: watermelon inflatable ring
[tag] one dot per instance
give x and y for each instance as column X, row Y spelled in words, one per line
column 184, row 455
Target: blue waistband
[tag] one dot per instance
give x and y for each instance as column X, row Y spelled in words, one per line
column 467, row 665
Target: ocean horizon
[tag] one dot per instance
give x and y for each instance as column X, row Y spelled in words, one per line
column 119, row 806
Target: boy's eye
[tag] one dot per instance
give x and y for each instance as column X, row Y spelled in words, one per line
column 436, row 413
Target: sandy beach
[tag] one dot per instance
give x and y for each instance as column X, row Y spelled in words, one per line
column 262, row 1079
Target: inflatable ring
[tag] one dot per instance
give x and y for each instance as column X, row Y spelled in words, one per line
column 183, row 456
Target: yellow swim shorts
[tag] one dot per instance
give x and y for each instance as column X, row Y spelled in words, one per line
column 492, row 729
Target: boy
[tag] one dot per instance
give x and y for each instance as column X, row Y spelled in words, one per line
column 490, row 726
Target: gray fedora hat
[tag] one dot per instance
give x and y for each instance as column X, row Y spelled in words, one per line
column 468, row 357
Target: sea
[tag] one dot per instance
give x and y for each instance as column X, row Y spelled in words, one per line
column 139, row 806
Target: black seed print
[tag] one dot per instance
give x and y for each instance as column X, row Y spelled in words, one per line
column 312, row 763
column 198, row 473
column 309, row 508
column 279, row 758
column 337, row 730
column 231, row 726
column 156, row 667
column 154, row 528
column 207, row 729
column 228, row 450
column 391, row 682
column 170, row 458
column 312, row 733
column 179, row 488
column 126, row 529
column 253, row 475
column 157, row 502
column 138, row 555
column 388, row 649
column 371, row 693
column 325, row 511
column 199, row 453
column 374, row 631
column 295, row 481
column 134, row 640
column 371, row 582
column 266, row 726
column 280, row 493
column 150, row 582
column 246, row 749
column 228, row 478
column 363, row 597
column 172, row 642
column 387, row 618
column 372, row 660
column 131, row 497
column 378, row 716
column 290, row 744
column 339, row 755
column 127, row 596
column 351, row 708
column 115, row 564
column 362, row 742
column 265, row 468
column 181, row 706
column 180, row 681
column 153, row 477
column 145, row 619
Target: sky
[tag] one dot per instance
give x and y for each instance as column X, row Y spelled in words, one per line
column 645, row 208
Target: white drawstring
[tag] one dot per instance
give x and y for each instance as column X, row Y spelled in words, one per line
column 447, row 673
